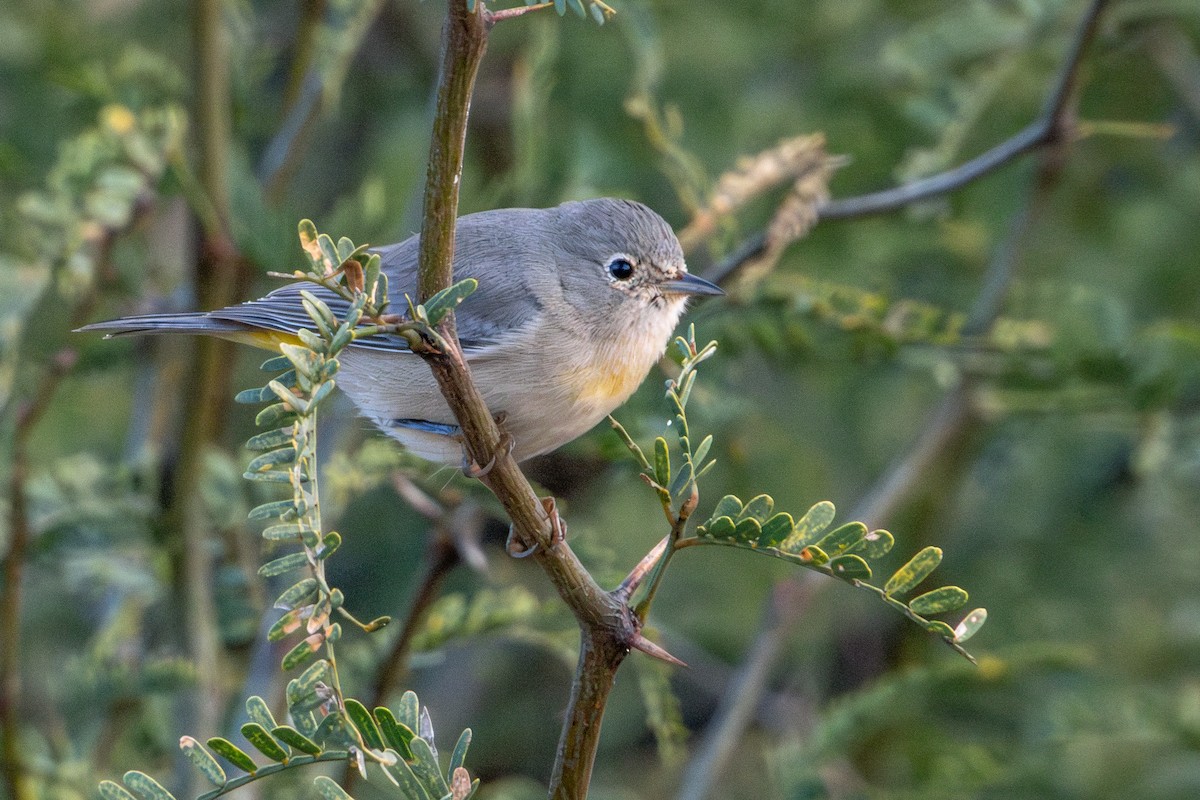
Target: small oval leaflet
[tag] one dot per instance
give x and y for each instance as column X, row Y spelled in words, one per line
column 850, row 568
column 662, row 462
column 278, row 566
column 459, row 756
column 329, row 790
column 365, row 723
column 297, row 594
column 425, row 767
column 264, row 742
column 202, row 760
column 916, row 570
column 300, row 654
column 815, row 520
column 146, row 787
column 875, row 544
column 728, row 506
column 970, row 625
column 939, row 601
column 776, row 529
column 759, row 508
column 940, row 628
column 719, row 528
column 748, row 530
column 397, row 734
column 114, row 791
column 232, row 753
column 843, row 539
column 295, row 739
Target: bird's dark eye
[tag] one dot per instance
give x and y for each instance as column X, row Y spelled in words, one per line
column 620, row 269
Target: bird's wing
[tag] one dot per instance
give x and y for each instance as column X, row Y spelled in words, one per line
column 502, row 304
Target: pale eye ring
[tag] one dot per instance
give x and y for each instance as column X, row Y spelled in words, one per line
column 620, row 268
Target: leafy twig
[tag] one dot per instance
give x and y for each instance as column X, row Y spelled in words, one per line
column 946, row 427
column 1052, row 125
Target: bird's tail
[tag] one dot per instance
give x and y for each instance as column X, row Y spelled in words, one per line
column 198, row 323
column 195, row 322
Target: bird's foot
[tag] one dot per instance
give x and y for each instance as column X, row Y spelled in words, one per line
column 474, row 470
column 558, row 529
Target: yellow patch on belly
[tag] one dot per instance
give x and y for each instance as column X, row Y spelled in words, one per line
column 607, row 381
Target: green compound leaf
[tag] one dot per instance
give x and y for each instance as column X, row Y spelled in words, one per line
column 232, row 753
column 329, row 790
column 916, row 570
column 296, row 740
column 970, row 625
column 448, row 299
column 202, row 760
column 114, row 791
column 146, row 787
column 939, row 601
column 361, row 719
column 264, row 742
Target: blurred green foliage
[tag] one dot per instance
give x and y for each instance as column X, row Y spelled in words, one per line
column 1069, row 508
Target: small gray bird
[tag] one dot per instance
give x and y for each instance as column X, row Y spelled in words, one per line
column 575, row 304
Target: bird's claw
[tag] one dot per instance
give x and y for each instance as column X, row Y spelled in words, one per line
column 519, row 549
column 473, row 470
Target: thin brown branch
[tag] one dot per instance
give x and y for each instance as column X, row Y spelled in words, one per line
column 27, row 417
column 606, row 623
column 1052, row 125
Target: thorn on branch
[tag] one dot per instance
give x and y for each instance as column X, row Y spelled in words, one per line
column 640, row 642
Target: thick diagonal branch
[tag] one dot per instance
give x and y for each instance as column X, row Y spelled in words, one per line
column 605, row 622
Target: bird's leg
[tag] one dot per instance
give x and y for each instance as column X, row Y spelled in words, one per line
column 471, row 469
column 557, row 526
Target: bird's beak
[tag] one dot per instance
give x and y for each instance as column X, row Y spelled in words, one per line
column 687, row 283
